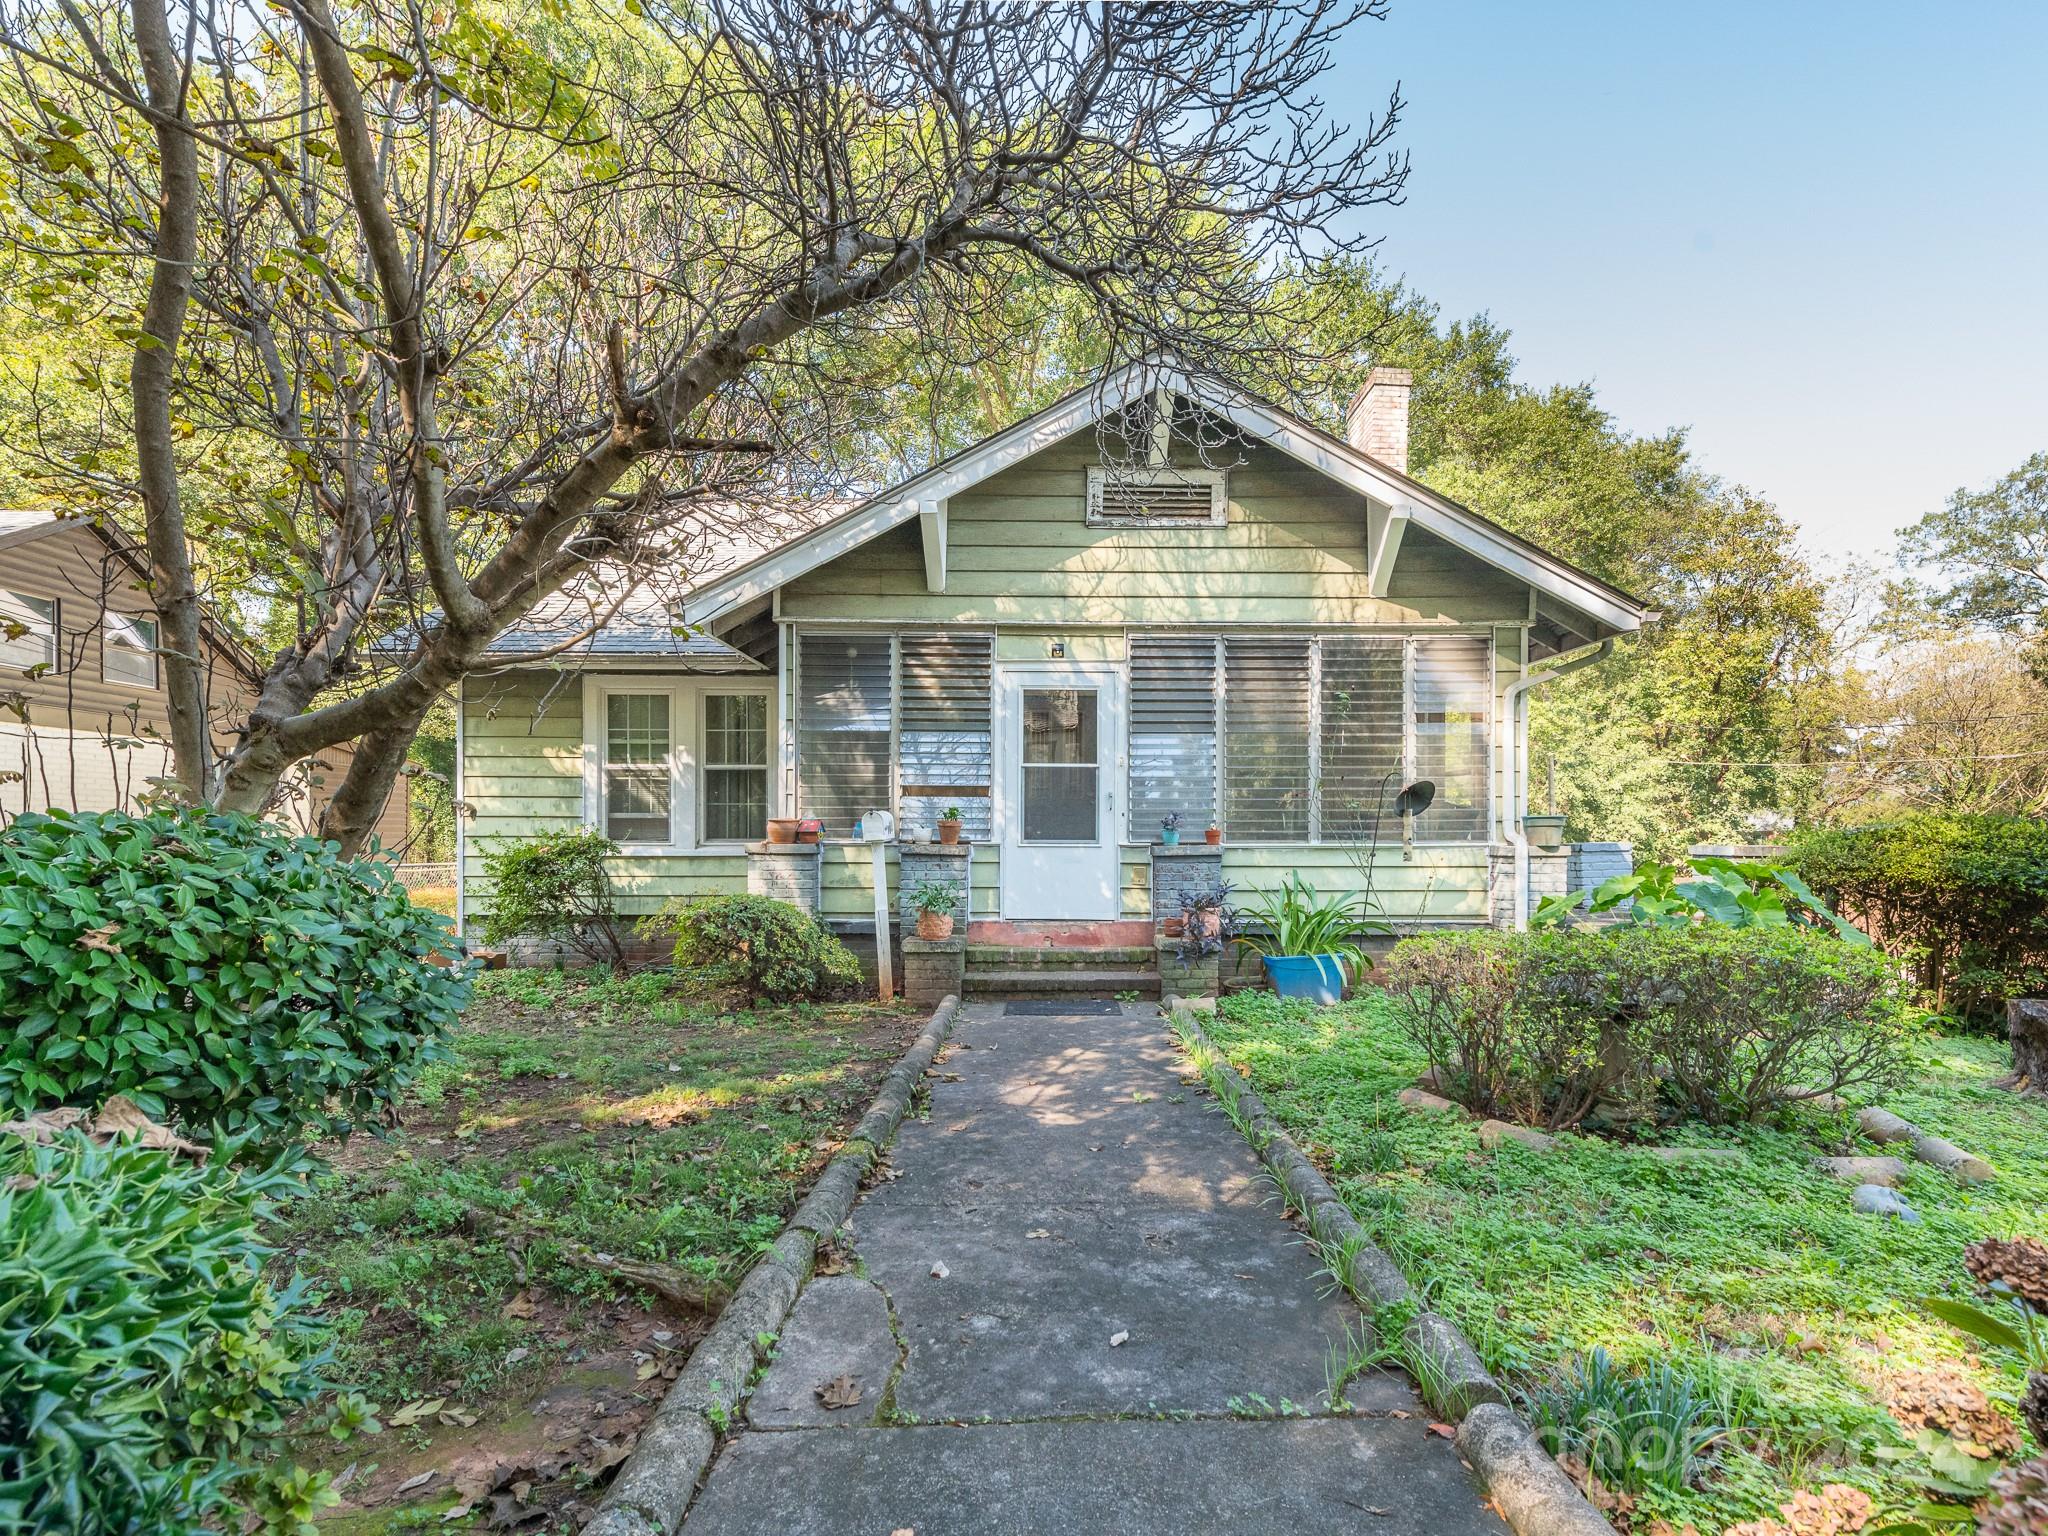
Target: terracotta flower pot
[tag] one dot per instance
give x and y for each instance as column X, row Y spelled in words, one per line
column 949, row 832
column 1213, row 836
column 782, row 829
column 1205, row 924
column 1173, row 928
column 933, row 926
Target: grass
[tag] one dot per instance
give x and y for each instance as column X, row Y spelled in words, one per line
column 1753, row 1278
column 580, row 1114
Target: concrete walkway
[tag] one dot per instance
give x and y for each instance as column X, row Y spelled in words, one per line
column 1076, row 1309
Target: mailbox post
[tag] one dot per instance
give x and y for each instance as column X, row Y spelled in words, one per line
column 878, row 830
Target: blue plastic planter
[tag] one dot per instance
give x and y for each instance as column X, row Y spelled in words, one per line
column 1319, row 978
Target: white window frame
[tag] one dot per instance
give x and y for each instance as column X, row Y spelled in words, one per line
column 108, row 621
column 705, row 693
column 50, row 636
column 686, row 736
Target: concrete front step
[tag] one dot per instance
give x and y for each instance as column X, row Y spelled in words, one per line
column 1016, row 957
column 1059, row 981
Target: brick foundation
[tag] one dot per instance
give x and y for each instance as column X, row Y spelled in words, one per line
column 944, row 864
column 785, row 871
column 933, row 969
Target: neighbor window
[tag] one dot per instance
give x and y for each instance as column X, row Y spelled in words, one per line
column 28, row 632
column 128, row 654
column 638, row 786
column 734, row 767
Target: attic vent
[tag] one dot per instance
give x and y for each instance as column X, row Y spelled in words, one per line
column 1156, row 498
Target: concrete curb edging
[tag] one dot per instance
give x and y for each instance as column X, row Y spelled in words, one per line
column 1533, row 1493
column 653, row 1489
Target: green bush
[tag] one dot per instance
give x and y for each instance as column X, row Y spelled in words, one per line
column 146, row 1369
column 1559, row 1028
column 767, row 948
column 558, row 887
column 1965, row 898
column 218, row 971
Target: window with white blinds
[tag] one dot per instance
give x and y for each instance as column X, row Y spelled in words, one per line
column 1364, row 745
column 1452, row 690
column 1173, row 730
column 843, row 715
column 1312, row 733
column 945, row 755
column 1266, row 765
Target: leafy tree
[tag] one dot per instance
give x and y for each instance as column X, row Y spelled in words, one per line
column 476, row 302
column 1990, row 548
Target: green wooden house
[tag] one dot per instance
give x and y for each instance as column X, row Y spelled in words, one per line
column 1269, row 638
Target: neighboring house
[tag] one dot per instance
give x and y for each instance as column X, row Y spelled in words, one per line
column 1068, row 653
column 84, row 722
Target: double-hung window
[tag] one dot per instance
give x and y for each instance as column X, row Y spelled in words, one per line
column 672, row 766
column 128, row 650
column 28, row 632
column 732, row 788
column 637, row 772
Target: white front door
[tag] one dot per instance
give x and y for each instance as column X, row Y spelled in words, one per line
column 1060, row 733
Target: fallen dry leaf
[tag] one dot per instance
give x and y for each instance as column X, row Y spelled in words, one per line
column 101, row 939
column 840, row 1392
column 521, row 1305
column 1445, row 1430
column 416, row 1410
column 1038, row 1232
column 421, row 1481
column 1118, row 1337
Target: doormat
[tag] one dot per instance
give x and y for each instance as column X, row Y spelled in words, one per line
column 1061, row 1007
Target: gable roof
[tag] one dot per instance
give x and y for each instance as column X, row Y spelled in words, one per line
column 1611, row 609
column 21, row 525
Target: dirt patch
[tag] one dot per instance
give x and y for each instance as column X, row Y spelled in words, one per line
column 462, row 1254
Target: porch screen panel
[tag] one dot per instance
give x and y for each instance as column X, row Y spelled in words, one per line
column 1361, row 731
column 1266, row 754
column 1453, row 707
column 944, row 744
column 842, row 728
column 1173, row 731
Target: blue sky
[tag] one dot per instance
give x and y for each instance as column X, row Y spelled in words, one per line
column 1814, row 233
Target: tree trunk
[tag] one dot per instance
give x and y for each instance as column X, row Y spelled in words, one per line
column 2026, row 1021
column 352, row 814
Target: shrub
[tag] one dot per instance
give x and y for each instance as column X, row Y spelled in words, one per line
column 1964, row 897
column 1518, row 1026
column 148, row 1369
column 216, row 970
column 556, row 886
column 1721, row 1024
column 766, row 947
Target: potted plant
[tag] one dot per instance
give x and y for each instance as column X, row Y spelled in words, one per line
column 1206, row 921
column 949, row 824
column 934, row 903
column 783, row 829
column 1543, row 829
column 1308, row 943
column 1212, row 835
column 1169, row 829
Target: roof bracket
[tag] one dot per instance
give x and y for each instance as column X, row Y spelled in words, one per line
column 1386, row 549
column 931, row 523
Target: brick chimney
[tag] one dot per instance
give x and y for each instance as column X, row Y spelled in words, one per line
column 1377, row 423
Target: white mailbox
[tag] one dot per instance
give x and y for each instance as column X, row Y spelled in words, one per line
column 878, row 827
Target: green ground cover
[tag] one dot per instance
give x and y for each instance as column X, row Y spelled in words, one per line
column 1754, row 1277
column 581, row 1115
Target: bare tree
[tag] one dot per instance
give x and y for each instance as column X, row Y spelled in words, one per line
column 490, row 296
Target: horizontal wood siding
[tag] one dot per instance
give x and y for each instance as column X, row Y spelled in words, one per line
column 1020, row 551
column 847, row 880
column 1439, row 883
